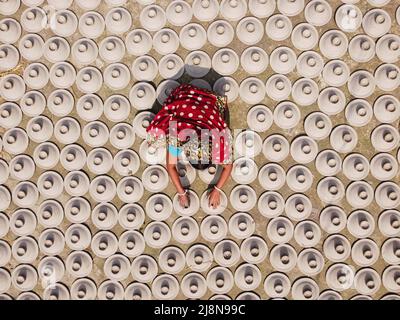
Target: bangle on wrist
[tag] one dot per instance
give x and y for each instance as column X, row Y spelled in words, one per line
column 183, row 193
column 216, row 188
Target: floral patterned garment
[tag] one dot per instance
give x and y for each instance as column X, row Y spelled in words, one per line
column 190, row 107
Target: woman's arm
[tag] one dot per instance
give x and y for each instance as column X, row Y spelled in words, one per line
column 214, row 199
column 226, row 172
column 173, row 173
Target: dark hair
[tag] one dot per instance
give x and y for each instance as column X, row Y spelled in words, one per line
column 200, row 165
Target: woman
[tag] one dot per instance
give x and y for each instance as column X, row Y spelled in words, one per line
column 192, row 124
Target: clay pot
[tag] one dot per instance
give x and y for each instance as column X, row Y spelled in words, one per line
column 277, row 285
column 388, row 223
column 117, row 267
column 137, row 291
column 213, row 228
column 254, row 250
column 290, row 8
column 333, row 44
column 56, row 49
column 287, row 115
column 185, row 230
column 304, row 36
column 310, row 262
column 118, row 20
column 63, row 23
column 50, row 214
column 23, row 222
column 337, row 248
column 330, row 295
column 247, row 277
column 343, row 139
column 278, row 87
column 362, row 48
column 336, row 73
column 276, row 148
column 110, row 290
column 25, row 250
column 298, row 207
column 271, row 204
column 83, row 289
column 51, row 270
column 340, row 276
column 172, row 260
column 365, row 252
column 226, row 253
column 387, row 108
column 387, row 77
column 387, row 48
column 376, row 23
column 33, row 103
column 194, row 286
column 62, row 75
column 179, row 13
column 360, row 224
column 104, row 244
column 138, row 42
column 24, row 277
column 367, row 281
column 283, row 60
column 205, row 10
column 10, row 30
column 348, row 17
column 73, row 157
column 331, row 101
column 220, row 280
column 283, row 257
column 227, row 86
column 157, row 234
column 278, row 27
column 25, row 194
column 243, row 198
column 307, row 234
column 332, row 219
column 199, row 258
column 303, row 149
column 103, row 188
column 165, row 287
column 77, row 210
column 330, row 190
column 220, row 33
column 261, row 8
column 12, row 87
column 252, row 90
column 104, row 216
column 250, row 30
column 390, row 279
column 359, row 194
column 233, row 10
column 51, row 242
column 280, row 230
column 131, row 243
column 272, row 176
column 78, row 237
column 79, row 264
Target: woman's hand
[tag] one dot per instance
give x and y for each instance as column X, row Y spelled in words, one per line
column 184, row 200
column 214, row 199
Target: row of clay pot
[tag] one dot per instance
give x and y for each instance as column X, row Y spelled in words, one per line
column 118, row 20
column 103, row 188
column 117, row 76
column 185, row 230
column 219, row 280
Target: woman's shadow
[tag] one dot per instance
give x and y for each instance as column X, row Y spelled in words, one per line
column 208, row 81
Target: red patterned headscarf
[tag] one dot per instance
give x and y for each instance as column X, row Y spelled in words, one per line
column 200, row 112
